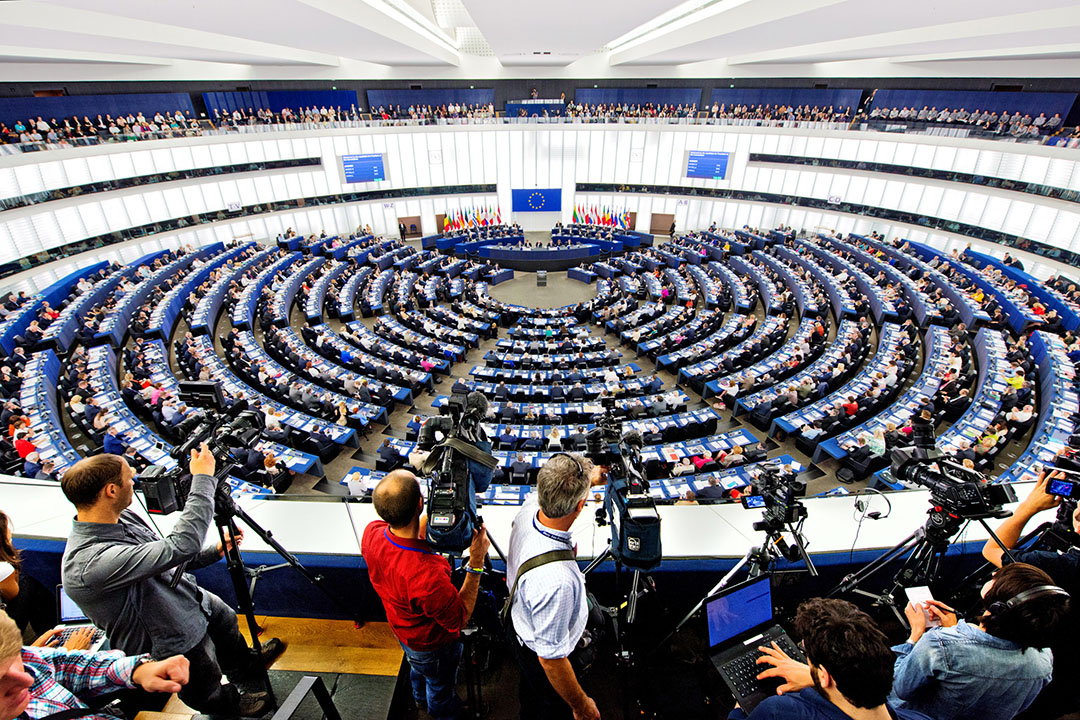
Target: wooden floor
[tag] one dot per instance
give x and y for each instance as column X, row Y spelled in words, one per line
column 317, row 646
column 332, row 646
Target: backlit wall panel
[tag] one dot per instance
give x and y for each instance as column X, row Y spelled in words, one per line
column 535, row 156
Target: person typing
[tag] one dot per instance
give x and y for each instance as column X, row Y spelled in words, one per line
column 40, row 682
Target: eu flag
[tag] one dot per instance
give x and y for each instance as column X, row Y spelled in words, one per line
column 537, row 200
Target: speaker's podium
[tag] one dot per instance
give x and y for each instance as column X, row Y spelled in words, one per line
column 541, row 278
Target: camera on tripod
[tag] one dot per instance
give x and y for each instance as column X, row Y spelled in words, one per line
column 460, row 466
column 222, row 429
column 958, row 490
column 628, row 507
column 779, row 492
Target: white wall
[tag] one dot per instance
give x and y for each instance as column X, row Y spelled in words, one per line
column 539, row 156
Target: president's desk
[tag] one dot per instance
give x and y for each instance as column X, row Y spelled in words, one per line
column 699, row 543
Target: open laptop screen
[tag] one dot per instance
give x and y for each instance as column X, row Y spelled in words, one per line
column 738, row 610
column 69, row 611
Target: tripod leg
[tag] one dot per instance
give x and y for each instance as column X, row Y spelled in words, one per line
column 235, row 565
column 855, row 579
column 632, row 598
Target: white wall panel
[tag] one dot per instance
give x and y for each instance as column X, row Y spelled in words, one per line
column 552, row 156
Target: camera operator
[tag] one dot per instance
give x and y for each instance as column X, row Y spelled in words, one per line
column 1061, row 695
column 117, row 569
column 550, row 610
column 424, row 609
column 849, row 666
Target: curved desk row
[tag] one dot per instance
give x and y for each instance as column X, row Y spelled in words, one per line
column 703, row 537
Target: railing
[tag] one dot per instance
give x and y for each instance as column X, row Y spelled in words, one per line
column 207, row 128
column 309, row 684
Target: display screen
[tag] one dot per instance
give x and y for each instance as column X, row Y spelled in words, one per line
column 1064, row 488
column 69, row 611
column 707, row 164
column 363, row 168
column 740, row 610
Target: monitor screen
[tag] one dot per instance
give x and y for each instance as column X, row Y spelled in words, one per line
column 69, row 611
column 363, row 168
column 706, row 164
column 740, row 610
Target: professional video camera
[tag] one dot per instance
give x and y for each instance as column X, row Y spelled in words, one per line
column 779, row 493
column 959, row 491
column 222, row 429
column 629, row 509
column 460, row 466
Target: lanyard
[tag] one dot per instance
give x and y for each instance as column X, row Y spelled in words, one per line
column 386, row 534
column 551, row 535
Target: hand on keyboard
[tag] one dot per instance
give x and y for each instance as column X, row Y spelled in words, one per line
column 796, row 675
column 80, row 638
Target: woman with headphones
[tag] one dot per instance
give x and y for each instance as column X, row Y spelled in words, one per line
column 990, row 669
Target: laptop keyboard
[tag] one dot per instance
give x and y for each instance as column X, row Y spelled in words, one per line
column 742, row 672
column 64, row 635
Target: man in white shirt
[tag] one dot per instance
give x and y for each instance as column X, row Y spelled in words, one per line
column 549, row 607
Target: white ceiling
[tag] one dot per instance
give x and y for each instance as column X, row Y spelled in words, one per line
column 72, row 40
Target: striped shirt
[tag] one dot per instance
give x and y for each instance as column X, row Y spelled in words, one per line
column 550, row 607
column 62, row 677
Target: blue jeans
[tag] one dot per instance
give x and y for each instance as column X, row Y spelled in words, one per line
column 433, row 674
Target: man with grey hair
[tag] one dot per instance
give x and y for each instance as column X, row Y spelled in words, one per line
column 549, row 608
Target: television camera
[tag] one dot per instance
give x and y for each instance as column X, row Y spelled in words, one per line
column 957, row 496
column 628, row 507
column 222, row 428
column 779, row 491
column 460, row 466
column 957, row 490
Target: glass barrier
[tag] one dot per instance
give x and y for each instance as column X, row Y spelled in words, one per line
column 985, row 181
column 928, row 222
column 132, row 233
column 129, row 182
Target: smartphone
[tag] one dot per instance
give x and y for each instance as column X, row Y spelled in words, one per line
column 920, row 594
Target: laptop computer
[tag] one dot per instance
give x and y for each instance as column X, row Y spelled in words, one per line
column 740, row 619
column 72, row 618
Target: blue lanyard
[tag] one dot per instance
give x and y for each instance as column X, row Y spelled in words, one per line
column 550, row 535
column 386, row 534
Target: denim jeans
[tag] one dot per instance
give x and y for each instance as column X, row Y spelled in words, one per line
column 433, row 674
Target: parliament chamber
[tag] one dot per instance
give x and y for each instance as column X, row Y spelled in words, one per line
column 778, row 284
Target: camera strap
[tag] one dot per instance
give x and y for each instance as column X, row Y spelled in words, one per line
column 531, row 564
column 470, row 451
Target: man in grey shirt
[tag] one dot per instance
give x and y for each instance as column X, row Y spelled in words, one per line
column 120, row 572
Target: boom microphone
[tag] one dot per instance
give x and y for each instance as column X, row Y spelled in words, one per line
column 476, row 403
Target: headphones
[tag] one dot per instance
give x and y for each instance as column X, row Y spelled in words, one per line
column 1000, row 608
column 863, row 506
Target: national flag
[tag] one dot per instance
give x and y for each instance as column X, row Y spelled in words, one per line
column 446, row 223
column 498, row 216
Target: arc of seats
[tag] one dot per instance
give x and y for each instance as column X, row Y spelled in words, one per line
column 163, row 374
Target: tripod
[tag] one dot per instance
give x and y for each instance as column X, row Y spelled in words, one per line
column 760, row 559
column 640, row 585
column 926, row 547
column 471, row 635
column 226, row 513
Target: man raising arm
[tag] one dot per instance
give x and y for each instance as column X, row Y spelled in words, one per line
column 422, row 606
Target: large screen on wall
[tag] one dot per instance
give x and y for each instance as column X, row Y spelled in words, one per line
column 363, row 168
column 707, row 164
